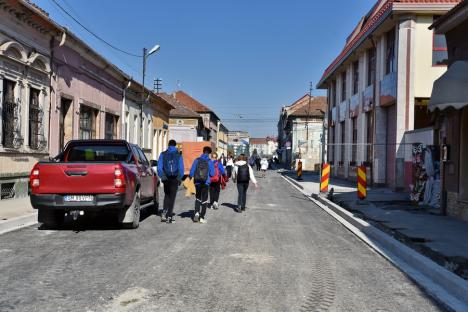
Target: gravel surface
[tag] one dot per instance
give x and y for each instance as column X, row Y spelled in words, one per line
column 282, row 254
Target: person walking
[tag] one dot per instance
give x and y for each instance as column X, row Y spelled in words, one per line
column 170, row 171
column 242, row 175
column 215, row 183
column 202, row 170
column 229, row 165
column 264, row 166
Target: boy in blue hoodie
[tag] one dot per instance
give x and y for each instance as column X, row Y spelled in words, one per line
column 170, row 171
column 202, row 170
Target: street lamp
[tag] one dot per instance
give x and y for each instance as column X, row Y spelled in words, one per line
column 145, row 56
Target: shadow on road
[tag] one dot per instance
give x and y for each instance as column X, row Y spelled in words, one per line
column 187, row 214
column 229, row 205
column 103, row 222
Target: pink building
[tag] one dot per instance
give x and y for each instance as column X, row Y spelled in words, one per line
column 87, row 94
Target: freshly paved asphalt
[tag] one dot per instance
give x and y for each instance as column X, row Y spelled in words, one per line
column 283, row 254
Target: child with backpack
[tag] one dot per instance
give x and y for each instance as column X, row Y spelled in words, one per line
column 170, row 171
column 242, row 175
column 202, row 170
column 216, row 179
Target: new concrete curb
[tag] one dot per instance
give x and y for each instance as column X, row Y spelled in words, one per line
column 17, row 223
column 443, row 285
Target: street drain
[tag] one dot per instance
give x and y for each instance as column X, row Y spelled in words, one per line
column 322, row 294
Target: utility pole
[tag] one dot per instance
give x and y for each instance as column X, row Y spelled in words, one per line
column 307, row 119
column 157, row 85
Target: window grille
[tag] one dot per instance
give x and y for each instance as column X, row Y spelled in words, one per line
column 11, row 121
column 36, row 138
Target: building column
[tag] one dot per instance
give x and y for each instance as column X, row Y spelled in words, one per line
column 380, row 120
column 1, row 110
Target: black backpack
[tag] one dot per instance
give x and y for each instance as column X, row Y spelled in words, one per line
column 171, row 164
column 202, row 171
column 243, row 174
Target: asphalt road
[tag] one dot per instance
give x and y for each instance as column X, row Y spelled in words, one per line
column 283, row 254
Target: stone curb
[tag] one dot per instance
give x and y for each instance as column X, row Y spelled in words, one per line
column 443, row 285
column 17, row 223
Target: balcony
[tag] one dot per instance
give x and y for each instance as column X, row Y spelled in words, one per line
column 368, row 98
column 354, row 105
column 343, row 110
column 388, row 89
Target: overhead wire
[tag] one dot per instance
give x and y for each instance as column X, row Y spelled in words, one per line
column 93, row 33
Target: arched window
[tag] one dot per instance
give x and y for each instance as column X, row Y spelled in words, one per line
column 13, row 53
column 39, row 65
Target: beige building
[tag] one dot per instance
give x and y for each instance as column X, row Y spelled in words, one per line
column 384, row 74
column 222, row 141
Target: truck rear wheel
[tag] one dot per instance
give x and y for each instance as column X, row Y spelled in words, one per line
column 51, row 218
column 131, row 216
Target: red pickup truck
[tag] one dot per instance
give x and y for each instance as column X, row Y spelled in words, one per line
column 94, row 176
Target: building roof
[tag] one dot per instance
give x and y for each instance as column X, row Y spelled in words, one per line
column 191, row 103
column 303, row 107
column 258, row 141
column 179, row 109
column 379, row 12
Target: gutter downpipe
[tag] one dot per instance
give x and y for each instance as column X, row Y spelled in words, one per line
column 124, row 122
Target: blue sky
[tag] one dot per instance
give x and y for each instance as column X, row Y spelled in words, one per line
column 247, row 57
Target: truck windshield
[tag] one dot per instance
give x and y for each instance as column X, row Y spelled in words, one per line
column 98, row 153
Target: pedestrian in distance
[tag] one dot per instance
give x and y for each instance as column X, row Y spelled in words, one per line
column 216, row 179
column 242, row 175
column 257, row 162
column 202, row 170
column 229, row 165
column 170, row 171
column 264, row 166
column 223, row 160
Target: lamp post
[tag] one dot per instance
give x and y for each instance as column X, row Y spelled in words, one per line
column 145, row 56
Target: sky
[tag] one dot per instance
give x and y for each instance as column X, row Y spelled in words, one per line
column 245, row 59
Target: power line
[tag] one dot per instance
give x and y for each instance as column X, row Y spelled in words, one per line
column 92, row 33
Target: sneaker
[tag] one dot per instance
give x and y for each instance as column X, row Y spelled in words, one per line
column 163, row 217
column 170, row 220
column 237, row 210
column 215, row 205
column 196, row 217
column 202, row 220
column 243, row 208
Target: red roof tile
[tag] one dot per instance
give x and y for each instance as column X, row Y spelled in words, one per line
column 191, row 103
column 179, row 109
column 258, row 141
column 304, row 108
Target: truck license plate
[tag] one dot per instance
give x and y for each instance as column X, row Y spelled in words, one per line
column 78, row 198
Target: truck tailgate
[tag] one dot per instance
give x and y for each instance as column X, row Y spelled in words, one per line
column 77, row 178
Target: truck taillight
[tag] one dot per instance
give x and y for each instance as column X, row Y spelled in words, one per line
column 119, row 179
column 34, row 178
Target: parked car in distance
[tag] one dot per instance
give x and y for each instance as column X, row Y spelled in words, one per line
column 93, row 177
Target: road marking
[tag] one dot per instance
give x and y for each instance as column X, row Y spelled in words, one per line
column 253, row 258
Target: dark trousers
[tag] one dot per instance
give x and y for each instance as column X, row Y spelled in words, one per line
column 171, row 185
column 215, row 188
column 229, row 171
column 201, row 199
column 242, row 198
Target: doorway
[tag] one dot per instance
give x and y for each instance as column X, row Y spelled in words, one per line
column 65, row 122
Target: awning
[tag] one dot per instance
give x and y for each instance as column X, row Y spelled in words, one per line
column 451, row 89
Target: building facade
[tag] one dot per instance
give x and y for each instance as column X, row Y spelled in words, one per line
column 449, row 103
column 300, row 128
column 384, row 74
column 25, row 69
column 87, row 94
column 222, row 142
column 238, row 143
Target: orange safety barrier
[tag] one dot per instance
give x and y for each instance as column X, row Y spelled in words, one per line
column 362, row 182
column 299, row 170
column 325, row 178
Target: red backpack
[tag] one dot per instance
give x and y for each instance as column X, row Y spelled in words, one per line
column 215, row 178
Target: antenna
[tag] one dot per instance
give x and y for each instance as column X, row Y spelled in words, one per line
column 157, row 86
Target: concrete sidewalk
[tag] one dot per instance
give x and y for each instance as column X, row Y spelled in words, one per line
column 438, row 237
column 15, row 214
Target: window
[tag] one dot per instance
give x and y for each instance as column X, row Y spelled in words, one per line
column 35, row 119
column 87, row 123
column 355, row 77
column 369, row 132
column 439, row 49
column 342, row 127
column 354, row 150
column 111, row 127
column 343, row 86
column 370, row 66
column 390, row 52
column 98, row 153
column 8, row 113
